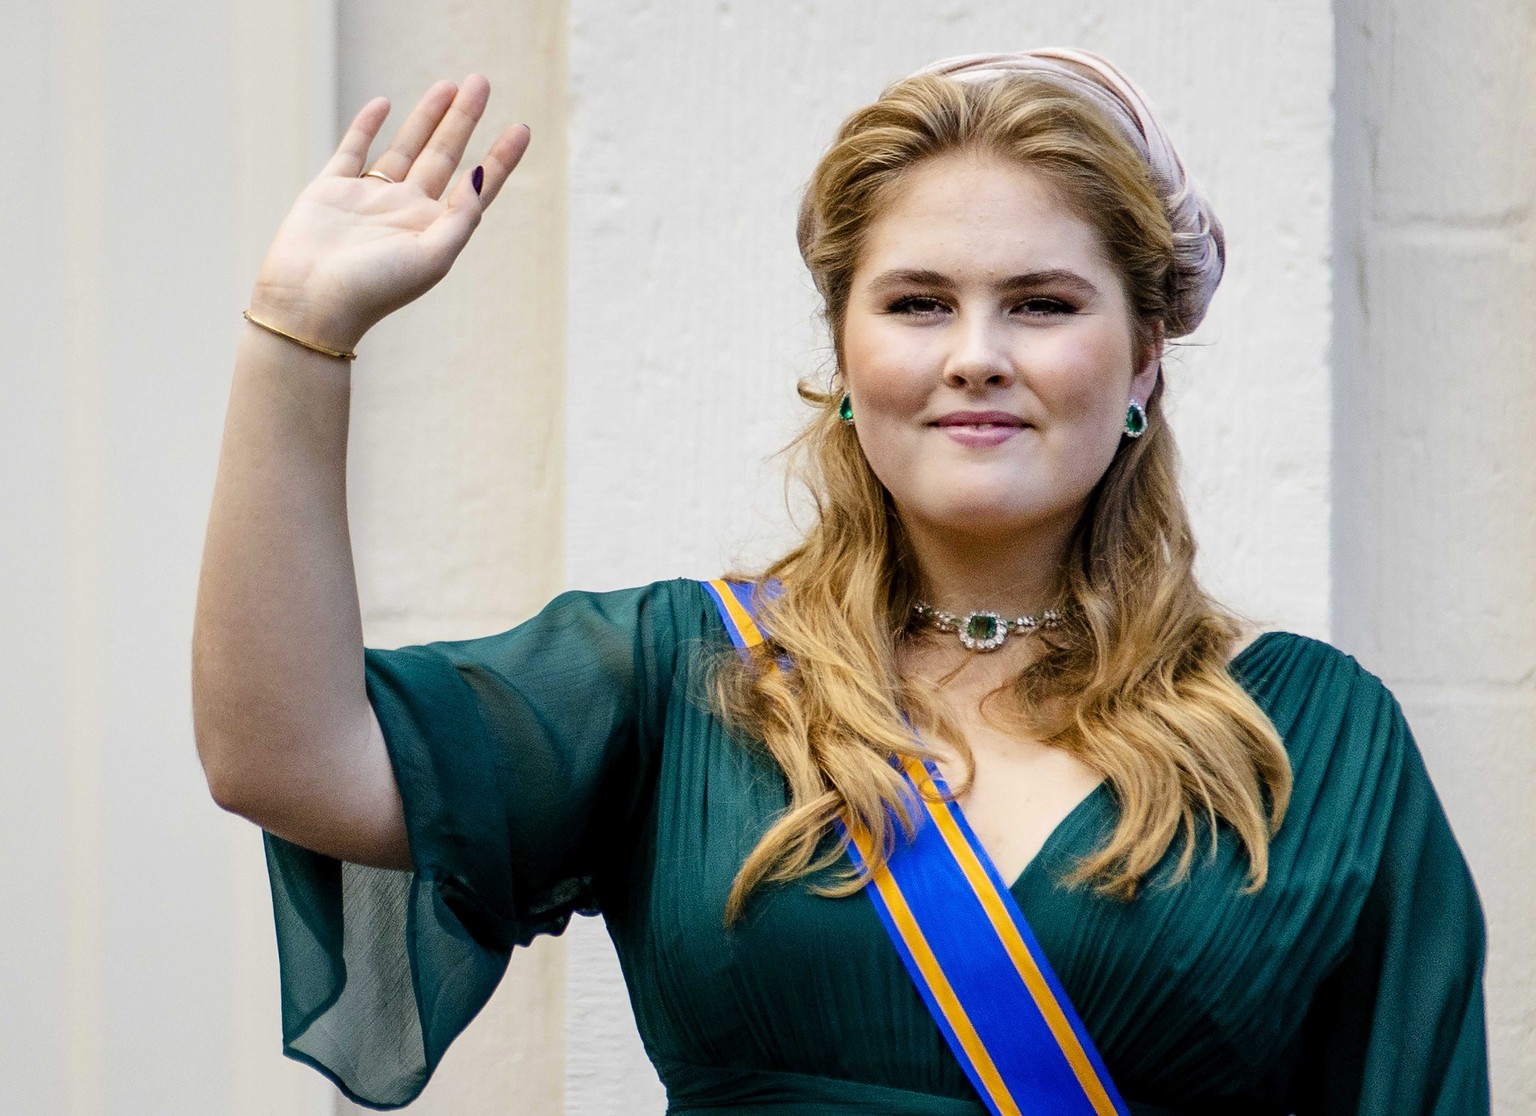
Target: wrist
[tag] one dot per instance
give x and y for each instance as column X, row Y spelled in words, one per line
column 316, row 327
column 347, row 355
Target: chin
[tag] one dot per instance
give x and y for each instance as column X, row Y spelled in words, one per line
column 984, row 520
column 992, row 515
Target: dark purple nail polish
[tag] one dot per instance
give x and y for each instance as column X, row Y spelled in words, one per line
column 478, row 178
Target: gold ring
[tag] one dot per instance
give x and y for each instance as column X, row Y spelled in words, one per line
column 379, row 174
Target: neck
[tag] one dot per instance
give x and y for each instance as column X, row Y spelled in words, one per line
column 1016, row 575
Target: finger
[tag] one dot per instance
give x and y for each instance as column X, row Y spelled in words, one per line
column 440, row 158
column 416, row 131
column 445, row 237
column 501, row 160
column 352, row 151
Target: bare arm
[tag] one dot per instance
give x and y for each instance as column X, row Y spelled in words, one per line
column 284, row 729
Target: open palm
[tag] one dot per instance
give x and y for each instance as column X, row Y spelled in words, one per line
column 353, row 249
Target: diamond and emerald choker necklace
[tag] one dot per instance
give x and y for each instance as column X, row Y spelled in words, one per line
column 985, row 630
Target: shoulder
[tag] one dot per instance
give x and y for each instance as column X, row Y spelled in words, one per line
column 1336, row 718
column 1274, row 663
column 658, row 605
column 639, row 628
column 663, row 620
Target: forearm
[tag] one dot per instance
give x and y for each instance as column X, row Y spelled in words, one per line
column 277, row 660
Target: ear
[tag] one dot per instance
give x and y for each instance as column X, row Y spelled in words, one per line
column 1145, row 378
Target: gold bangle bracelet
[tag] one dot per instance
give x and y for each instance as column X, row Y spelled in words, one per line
column 311, row 346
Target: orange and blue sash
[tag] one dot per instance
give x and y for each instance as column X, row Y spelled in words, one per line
column 965, row 942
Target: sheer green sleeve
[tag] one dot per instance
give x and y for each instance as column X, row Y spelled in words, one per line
column 521, row 758
column 1398, row 1028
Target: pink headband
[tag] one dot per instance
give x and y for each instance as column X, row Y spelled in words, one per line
column 1199, row 244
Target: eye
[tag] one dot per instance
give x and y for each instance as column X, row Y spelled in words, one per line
column 916, row 305
column 1041, row 306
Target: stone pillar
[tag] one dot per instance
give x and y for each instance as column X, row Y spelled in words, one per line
column 1435, row 471
column 456, row 453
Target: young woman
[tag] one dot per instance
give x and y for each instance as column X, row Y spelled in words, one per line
column 1180, row 867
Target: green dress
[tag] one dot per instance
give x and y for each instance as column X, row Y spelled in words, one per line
column 572, row 765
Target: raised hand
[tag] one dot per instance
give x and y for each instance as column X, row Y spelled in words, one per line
column 354, row 249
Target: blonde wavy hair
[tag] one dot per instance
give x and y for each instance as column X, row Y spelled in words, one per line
column 1135, row 683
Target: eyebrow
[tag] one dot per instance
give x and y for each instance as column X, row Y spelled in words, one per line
column 922, row 277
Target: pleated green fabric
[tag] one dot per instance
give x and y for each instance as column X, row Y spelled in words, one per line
column 572, row 765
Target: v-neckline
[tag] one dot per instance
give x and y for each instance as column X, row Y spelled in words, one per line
column 1057, row 830
column 1070, row 818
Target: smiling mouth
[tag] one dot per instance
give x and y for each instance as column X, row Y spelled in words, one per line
column 992, row 421
column 981, row 431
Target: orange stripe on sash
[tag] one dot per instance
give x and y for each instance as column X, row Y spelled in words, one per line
column 751, row 634
column 922, row 953
column 998, row 915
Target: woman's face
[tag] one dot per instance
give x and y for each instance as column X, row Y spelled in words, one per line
column 988, row 349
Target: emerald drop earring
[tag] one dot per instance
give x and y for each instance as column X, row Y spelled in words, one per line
column 1135, row 420
column 845, row 409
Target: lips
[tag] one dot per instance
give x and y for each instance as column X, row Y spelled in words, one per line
column 981, row 430
column 982, row 419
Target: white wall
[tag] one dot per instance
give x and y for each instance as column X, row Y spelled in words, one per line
column 1435, row 480
column 693, row 129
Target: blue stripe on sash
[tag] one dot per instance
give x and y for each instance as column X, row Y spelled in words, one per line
column 1017, row 1059
column 734, row 599
column 966, row 945
column 1031, row 944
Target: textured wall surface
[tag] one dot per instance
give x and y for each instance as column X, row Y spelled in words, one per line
column 1435, row 478
column 694, row 127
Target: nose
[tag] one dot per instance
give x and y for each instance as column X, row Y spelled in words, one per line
column 980, row 356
